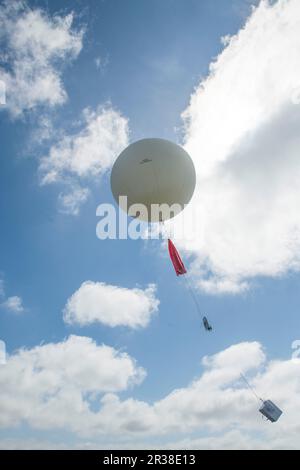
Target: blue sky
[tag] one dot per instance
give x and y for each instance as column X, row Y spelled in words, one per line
column 137, row 64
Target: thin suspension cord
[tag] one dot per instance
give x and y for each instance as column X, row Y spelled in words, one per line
column 193, row 295
column 251, row 388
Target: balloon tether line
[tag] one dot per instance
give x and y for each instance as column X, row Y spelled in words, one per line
column 193, row 295
column 251, row 388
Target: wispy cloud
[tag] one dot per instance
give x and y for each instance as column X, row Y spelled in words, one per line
column 72, row 199
column 13, row 304
column 35, row 46
column 89, row 152
column 76, row 158
column 101, row 63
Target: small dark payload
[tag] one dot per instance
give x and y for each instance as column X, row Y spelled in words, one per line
column 270, row 411
column 207, row 326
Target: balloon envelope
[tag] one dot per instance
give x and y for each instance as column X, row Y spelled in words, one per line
column 153, row 172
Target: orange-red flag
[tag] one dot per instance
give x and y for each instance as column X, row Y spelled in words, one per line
column 176, row 260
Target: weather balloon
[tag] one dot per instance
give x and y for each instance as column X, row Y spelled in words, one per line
column 152, row 173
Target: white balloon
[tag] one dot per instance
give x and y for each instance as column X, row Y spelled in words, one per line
column 153, row 172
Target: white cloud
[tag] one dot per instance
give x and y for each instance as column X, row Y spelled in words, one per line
column 35, row 45
column 241, row 129
column 43, row 131
column 29, row 444
column 217, row 404
column 13, row 304
column 73, row 385
column 35, row 48
column 85, row 154
column 91, row 151
column 48, row 384
column 229, row 440
column 111, row 305
column 72, row 200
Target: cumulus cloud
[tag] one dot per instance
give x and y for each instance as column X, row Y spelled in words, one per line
column 45, row 384
column 111, row 305
column 217, row 404
column 242, row 131
column 87, row 153
column 58, row 383
column 34, row 47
